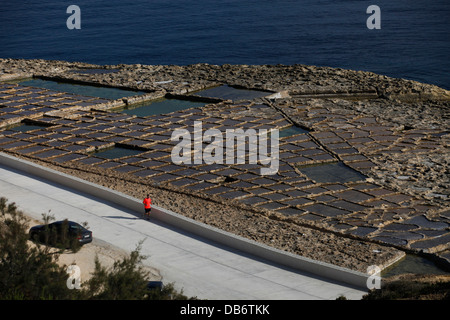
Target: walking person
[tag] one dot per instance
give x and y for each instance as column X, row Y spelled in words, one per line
column 147, row 206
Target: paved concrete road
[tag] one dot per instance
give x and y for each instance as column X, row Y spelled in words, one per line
column 200, row 267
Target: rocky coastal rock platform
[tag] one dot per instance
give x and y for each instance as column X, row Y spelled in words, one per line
column 364, row 180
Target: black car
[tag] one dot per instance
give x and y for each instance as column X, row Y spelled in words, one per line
column 63, row 232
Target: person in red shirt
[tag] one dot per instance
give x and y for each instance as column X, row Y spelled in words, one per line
column 147, row 206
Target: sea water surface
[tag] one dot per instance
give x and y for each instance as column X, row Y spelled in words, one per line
column 412, row 43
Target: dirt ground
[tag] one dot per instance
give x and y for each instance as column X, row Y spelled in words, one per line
column 107, row 255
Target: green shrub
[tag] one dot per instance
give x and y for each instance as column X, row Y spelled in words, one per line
column 26, row 272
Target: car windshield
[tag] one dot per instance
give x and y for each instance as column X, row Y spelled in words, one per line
column 75, row 226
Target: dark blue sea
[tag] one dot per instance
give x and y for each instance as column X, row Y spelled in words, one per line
column 413, row 41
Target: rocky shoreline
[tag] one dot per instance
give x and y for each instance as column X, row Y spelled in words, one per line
column 394, row 131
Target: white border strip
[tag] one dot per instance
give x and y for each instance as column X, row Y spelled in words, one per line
column 322, row 269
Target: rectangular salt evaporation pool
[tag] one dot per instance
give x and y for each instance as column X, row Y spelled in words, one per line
column 226, row 92
column 160, row 106
column 79, row 89
column 24, row 127
column 116, row 152
column 331, row 172
column 291, row 131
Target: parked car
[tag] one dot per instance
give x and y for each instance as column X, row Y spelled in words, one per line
column 62, row 232
column 158, row 285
